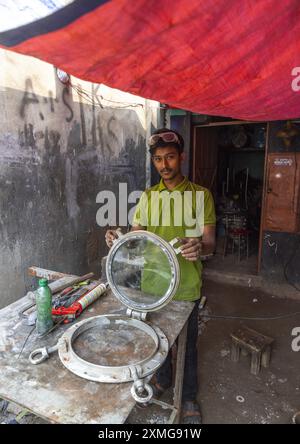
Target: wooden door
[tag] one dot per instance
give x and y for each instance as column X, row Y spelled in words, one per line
column 282, row 193
column 205, row 158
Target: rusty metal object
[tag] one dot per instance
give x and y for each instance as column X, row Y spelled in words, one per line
column 102, row 373
column 112, row 374
column 62, row 279
column 106, row 373
column 74, row 400
column 47, row 274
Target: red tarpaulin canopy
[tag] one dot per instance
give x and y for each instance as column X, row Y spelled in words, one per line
column 221, row 57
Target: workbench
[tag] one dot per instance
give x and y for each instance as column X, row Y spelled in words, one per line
column 51, row 391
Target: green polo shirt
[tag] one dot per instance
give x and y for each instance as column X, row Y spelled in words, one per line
column 148, row 214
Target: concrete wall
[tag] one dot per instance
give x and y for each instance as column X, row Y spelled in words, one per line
column 58, row 149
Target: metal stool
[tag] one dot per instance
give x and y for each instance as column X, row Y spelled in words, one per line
column 239, row 235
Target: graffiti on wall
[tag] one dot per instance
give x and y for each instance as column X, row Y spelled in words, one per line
column 31, row 98
column 56, row 154
column 94, row 130
column 81, row 145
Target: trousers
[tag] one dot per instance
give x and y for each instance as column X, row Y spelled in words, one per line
column 190, row 379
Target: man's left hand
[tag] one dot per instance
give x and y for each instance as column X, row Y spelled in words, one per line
column 191, row 248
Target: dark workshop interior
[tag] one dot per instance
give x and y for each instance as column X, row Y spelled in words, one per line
column 230, row 162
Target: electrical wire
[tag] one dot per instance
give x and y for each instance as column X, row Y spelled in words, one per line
column 250, row 318
column 91, row 99
column 91, row 96
column 87, row 99
column 83, row 93
column 25, row 342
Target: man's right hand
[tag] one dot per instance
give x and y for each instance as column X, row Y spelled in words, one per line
column 110, row 236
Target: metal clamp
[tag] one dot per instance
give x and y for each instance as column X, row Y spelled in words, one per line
column 44, row 352
column 119, row 234
column 173, row 242
column 296, row 418
column 139, row 387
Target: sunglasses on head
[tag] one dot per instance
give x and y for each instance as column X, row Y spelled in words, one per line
column 166, row 137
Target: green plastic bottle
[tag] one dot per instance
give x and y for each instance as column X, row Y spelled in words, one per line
column 44, row 319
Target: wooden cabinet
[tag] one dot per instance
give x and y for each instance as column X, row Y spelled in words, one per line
column 282, row 194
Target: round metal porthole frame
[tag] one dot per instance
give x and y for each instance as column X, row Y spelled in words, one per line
column 173, row 261
column 137, row 371
column 105, row 373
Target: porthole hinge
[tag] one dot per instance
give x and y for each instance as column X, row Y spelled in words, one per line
column 140, row 315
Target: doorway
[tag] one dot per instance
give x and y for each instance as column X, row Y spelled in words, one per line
column 229, row 160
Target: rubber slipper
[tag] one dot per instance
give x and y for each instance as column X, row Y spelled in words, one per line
column 191, row 413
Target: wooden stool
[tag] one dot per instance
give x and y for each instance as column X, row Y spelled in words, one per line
column 250, row 341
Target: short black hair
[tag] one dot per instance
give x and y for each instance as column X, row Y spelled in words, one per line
column 161, row 144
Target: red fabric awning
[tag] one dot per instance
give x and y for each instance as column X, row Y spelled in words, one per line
column 220, row 57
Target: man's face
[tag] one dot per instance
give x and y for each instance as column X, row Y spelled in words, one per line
column 167, row 161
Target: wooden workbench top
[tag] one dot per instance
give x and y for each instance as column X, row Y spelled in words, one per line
column 51, row 391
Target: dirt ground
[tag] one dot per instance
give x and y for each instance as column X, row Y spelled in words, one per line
column 228, row 392
column 271, row 397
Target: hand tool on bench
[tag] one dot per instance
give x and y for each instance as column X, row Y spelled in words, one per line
column 68, row 299
column 74, row 304
column 55, row 287
column 69, row 291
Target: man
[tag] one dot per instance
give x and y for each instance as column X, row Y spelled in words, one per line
column 166, row 148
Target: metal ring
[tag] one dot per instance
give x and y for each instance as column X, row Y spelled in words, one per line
column 296, row 418
column 166, row 248
column 39, row 351
column 105, row 373
column 142, row 399
column 72, row 333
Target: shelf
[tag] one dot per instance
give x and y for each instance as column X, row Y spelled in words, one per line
column 245, row 150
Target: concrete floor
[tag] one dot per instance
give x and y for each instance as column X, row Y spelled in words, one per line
column 230, row 263
column 271, row 397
